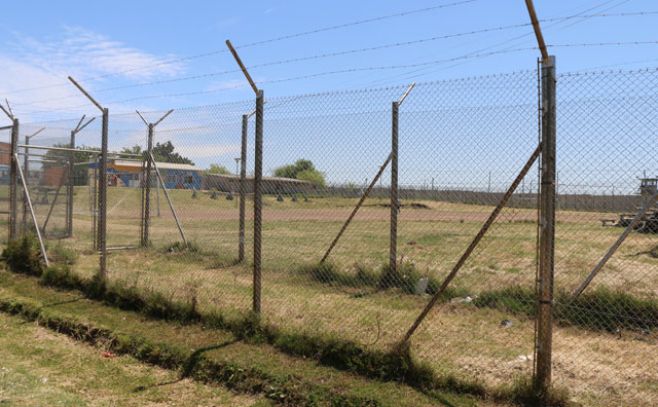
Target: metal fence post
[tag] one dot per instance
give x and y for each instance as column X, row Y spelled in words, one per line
column 13, row 179
column 94, row 203
column 243, row 189
column 69, row 188
column 102, row 198
column 547, row 230
column 147, row 189
column 26, row 172
column 395, row 203
column 258, row 201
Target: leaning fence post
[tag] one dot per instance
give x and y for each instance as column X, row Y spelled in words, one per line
column 542, row 378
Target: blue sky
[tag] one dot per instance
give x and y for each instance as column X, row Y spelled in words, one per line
column 45, row 41
column 119, row 49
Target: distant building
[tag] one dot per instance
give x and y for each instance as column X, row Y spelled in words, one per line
column 129, row 173
column 271, row 185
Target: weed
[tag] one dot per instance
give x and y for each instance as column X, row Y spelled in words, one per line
column 23, row 256
column 61, row 253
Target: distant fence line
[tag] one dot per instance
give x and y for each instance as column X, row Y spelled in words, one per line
column 576, row 202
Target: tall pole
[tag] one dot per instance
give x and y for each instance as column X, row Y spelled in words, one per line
column 13, row 179
column 102, row 197
column 26, row 173
column 547, row 230
column 258, row 175
column 146, row 218
column 146, row 188
column 243, row 186
column 258, row 202
column 69, row 187
column 395, row 203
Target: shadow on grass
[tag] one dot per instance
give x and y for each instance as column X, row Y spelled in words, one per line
column 189, row 366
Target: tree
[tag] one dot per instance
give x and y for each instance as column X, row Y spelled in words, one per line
column 164, row 152
column 132, row 150
column 314, row 176
column 302, row 170
column 217, row 169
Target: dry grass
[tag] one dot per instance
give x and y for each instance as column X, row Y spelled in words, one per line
column 600, row 368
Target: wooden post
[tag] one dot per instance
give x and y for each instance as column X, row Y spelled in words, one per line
column 243, row 186
column 258, row 202
column 542, row 380
column 13, row 179
column 395, row 202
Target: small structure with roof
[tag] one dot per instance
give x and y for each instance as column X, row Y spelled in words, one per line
column 130, row 173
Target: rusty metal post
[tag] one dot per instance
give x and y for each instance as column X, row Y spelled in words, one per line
column 13, row 179
column 243, row 186
column 395, row 202
column 102, row 197
column 258, row 202
column 544, row 335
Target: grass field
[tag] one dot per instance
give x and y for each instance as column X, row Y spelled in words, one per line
column 250, row 368
column 599, row 367
column 39, row 367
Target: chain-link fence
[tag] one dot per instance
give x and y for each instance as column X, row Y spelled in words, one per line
column 371, row 198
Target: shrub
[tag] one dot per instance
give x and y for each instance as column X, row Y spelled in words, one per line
column 325, row 272
column 405, row 277
column 23, row 256
column 63, row 254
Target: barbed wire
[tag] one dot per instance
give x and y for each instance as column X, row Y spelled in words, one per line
column 257, row 43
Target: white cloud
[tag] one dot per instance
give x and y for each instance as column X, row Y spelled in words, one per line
column 200, row 151
column 42, row 65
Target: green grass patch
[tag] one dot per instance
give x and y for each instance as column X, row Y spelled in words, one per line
column 597, row 309
column 406, row 278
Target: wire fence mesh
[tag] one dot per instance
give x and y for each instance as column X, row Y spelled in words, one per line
column 329, row 219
